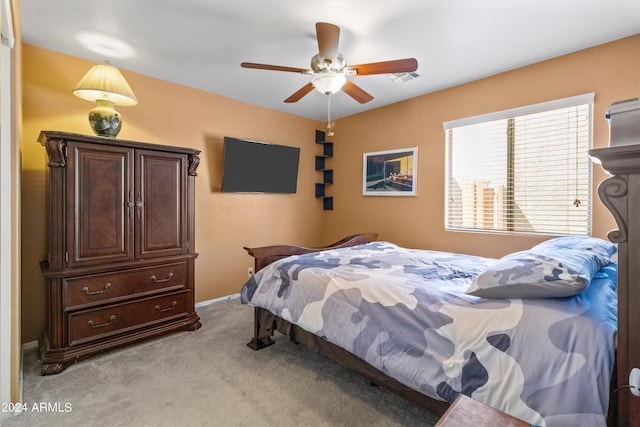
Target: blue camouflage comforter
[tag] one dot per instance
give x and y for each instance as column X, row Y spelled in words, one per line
column 405, row 312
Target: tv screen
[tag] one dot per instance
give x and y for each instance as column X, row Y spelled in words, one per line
column 257, row 167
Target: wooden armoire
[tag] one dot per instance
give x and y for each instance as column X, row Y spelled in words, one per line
column 120, row 244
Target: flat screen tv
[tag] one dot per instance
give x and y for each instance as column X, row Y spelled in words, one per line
column 257, row 167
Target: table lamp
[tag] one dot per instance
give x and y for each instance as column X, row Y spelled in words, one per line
column 105, row 85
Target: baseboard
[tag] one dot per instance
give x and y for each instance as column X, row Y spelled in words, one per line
column 211, row 301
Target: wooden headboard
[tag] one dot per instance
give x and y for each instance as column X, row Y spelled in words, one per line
column 621, row 195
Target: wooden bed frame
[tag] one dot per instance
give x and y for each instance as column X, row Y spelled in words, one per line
column 620, row 194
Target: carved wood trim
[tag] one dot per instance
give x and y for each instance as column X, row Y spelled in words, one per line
column 56, row 151
column 194, row 162
column 613, row 194
column 621, row 196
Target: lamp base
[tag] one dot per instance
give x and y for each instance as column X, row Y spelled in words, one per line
column 105, row 120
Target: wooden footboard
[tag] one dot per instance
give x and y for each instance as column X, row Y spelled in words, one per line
column 267, row 254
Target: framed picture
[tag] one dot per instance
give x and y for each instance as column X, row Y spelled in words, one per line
column 390, row 173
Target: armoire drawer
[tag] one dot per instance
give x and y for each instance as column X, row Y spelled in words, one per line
column 89, row 325
column 85, row 291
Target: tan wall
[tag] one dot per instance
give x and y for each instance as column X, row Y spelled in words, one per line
column 612, row 71
column 174, row 115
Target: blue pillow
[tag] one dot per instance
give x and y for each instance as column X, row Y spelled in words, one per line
column 598, row 246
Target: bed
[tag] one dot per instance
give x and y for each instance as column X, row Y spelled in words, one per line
column 522, row 334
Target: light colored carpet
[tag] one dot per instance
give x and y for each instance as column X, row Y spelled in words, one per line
column 211, row 378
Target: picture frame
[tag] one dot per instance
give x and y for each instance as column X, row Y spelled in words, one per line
column 390, row 173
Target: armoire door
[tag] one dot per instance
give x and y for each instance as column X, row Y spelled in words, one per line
column 99, row 208
column 161, row 213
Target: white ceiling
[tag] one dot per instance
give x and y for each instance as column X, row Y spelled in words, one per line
column 201, row 43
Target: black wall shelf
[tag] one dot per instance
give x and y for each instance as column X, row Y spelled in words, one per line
column 327, row 174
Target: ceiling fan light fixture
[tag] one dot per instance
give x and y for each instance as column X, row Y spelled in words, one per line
column 329, row 84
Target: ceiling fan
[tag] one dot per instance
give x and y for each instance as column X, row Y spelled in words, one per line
column 329, row 70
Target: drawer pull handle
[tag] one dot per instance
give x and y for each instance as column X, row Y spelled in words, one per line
column 98, row 292
column 173, row 305
column 102, row 325
column 154, row 279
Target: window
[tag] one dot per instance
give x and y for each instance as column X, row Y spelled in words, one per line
column 522, row 170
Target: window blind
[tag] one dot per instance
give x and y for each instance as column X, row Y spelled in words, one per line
column 526, row 173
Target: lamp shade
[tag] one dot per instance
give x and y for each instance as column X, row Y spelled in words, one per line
column 105, row 82
column 329, row 83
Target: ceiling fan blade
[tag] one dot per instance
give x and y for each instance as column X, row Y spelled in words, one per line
column 328, row 39
column 273, row 67
column 300, row 93
column 357, row 93
column 386, row 67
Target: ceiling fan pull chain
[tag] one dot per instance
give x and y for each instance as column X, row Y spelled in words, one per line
column 329, row 127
